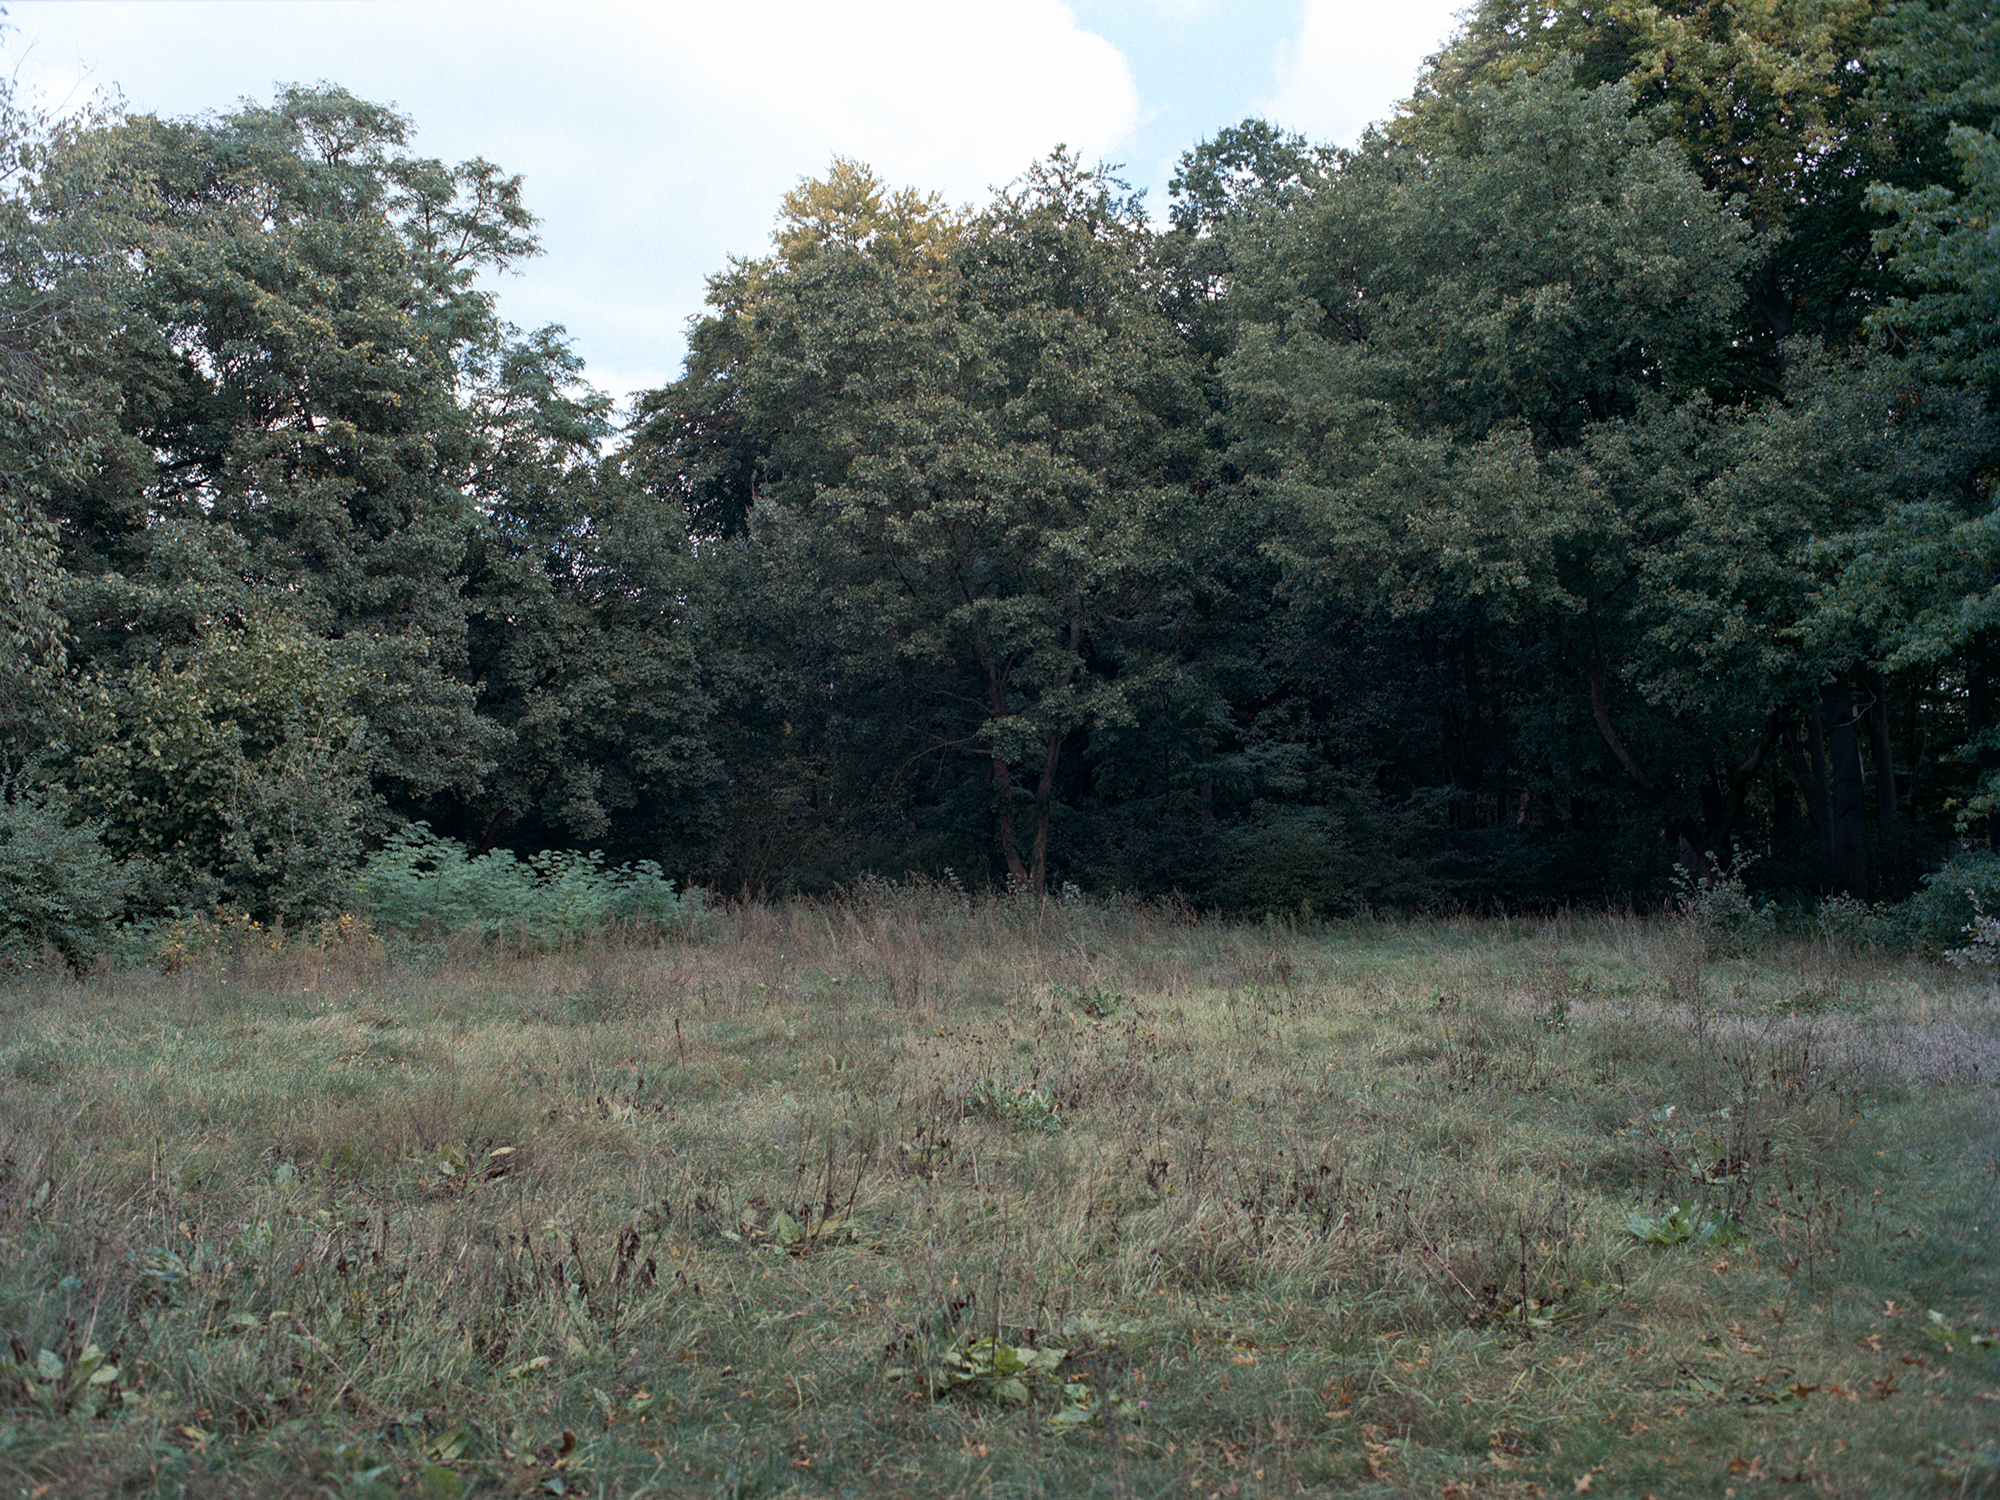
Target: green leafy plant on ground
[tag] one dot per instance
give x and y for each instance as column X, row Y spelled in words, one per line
column 1682, row 1224
column 991, row 1367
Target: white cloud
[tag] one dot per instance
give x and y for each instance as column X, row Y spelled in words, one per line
column 1329, row 77
column 656, row 138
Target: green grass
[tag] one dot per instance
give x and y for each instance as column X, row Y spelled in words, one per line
column 803, row 1203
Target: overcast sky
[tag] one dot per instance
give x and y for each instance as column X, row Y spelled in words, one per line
column 656, row 138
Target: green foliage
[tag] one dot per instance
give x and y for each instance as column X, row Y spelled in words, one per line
column 1019, row 1106
column 59, row 885
column 418, row 881
column 1722, row 908
column 1861, row 925
column 1240, row 170
column 1354, row 852
column 1085, row 1406
column 968, row 467
column 1095, row 1001
column 991, row 1367
column 1386, row 299
column 33, row 634
column 303, row 316
column 792, row 1235
column 1494, row 512
column 1772, row 106
column 1941, row 913
column 1944, row 242
column 1683, row 1224
column 236, row 766
column 1984, row 930
column 585, row 636
column 87, row 1386
column 1951, row 1338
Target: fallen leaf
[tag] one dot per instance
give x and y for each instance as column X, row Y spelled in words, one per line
column 1378, row 1454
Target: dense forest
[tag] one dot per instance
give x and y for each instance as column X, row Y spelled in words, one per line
column 1590, row 476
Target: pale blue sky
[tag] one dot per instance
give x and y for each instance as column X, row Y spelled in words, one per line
column 656, row 138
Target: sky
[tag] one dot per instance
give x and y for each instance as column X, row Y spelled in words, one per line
column 657, row 136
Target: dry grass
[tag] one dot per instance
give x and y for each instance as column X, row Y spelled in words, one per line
column 1344, row 1210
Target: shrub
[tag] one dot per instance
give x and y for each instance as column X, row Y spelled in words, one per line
column 1724, row 909
column 1937, row 916
column 1860, row 924
column 59, row 886
column 419, row 880
column 235, row 765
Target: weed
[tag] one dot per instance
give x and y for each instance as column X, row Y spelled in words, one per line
column 1683, row 1224
column 1018, row 1106
column 991, row 1367
column 1094, row 1001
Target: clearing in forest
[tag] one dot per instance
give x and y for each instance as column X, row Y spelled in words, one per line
column 924, row 1194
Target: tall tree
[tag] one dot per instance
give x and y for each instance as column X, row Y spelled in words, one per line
column 1769, row 102
column 960, row 464
column 59, row 320
column 317, row 412
column 586, row 638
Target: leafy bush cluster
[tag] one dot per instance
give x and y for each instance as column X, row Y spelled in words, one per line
column 419, row 881
column 1937, row 918
column 59, row 888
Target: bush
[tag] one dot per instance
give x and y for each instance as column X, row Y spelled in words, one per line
column 1356, row 852
column 1722, row 906
column 1937, row 916
column 1860, row 924
column 236, row 766
column 59, row 886
column 420, row 881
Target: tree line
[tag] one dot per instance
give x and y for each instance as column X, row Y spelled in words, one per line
column 1589, row 475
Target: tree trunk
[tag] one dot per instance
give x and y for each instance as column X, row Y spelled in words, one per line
column 1038, row 872
column 1913, row 737
column 1003, row 780
column 1459, row 722
column 1979, row 708
column 1811, row 777
column 1010, row 848
column 1844, row 784
column 1698, row 838
column 1820, row 795
column 1882, row 753
column 1888, row 830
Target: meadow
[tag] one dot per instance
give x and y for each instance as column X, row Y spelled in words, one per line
column 929, row 1194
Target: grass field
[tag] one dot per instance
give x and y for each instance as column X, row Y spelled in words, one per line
column 923, row 1195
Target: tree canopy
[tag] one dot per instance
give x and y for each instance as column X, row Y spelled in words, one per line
column 1590, row 472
